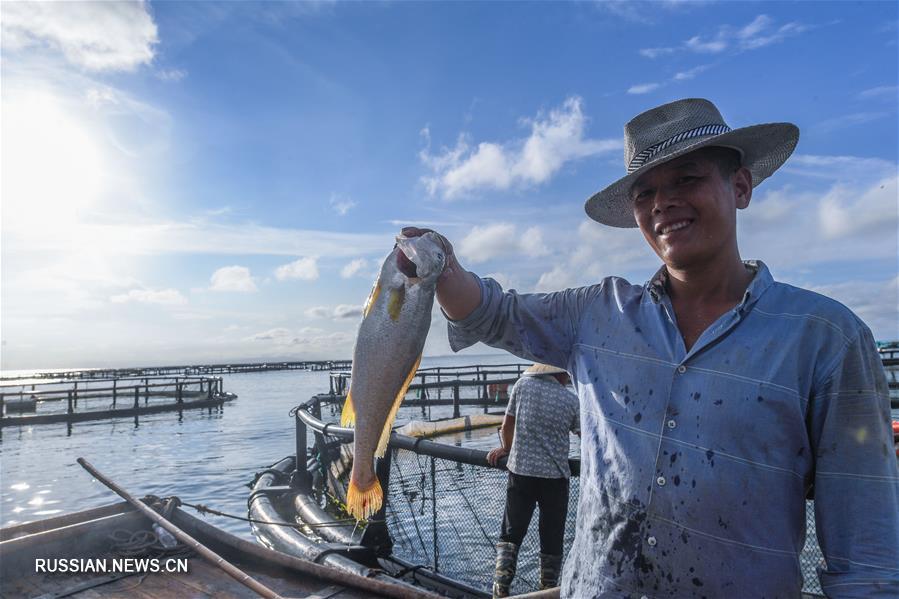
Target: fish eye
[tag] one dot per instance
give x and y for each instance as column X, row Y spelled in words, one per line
column 439, row 256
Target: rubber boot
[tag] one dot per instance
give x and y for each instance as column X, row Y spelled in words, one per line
column 550, row 568
column 506, row 562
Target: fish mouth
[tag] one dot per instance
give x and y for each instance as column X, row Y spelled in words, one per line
column 419, row 257
column 406, row 266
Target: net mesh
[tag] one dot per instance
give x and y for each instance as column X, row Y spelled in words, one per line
column 446, row 515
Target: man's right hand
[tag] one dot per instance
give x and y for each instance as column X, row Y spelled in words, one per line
column 451, row 264
column 458, row 291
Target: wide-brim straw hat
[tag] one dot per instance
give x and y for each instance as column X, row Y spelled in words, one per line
column 671, row 130
column 538, row 369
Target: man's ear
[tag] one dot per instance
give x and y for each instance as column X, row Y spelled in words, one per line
column 742, row 181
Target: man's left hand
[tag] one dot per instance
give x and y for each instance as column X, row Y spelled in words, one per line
column 496, row 454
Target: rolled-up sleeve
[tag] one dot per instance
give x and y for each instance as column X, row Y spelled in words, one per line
column 534, row 326
column 856, row 476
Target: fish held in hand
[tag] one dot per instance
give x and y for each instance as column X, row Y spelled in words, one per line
column 395, row 323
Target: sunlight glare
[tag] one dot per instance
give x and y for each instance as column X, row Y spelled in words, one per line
column 52, row 167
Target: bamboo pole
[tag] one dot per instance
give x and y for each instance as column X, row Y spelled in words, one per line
column 211, row 556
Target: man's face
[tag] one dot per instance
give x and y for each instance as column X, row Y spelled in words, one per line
column 686, row 209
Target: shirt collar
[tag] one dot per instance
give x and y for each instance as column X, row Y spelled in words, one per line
column 542, row 377
column 762, row 279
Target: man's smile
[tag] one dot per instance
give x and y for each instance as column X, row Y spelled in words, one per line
column 665, row 228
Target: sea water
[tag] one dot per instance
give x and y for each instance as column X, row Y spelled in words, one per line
column 200, row 457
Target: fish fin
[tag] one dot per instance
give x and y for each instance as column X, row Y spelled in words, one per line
column 362, row 503
column 348, row 415
column 388, row 424
column 395, row 303
column 372, row 298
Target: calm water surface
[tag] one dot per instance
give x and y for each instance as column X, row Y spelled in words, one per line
column 201, row 458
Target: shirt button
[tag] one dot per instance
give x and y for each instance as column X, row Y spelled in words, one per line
column 651, row 541
column 661, row 481
column 672, row 423
column 682, row 369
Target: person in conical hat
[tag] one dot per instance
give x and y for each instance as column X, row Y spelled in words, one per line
column 714, row 399
column 535, row 437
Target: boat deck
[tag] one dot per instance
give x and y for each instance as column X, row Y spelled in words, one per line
column 202, row 580
column 98, row 533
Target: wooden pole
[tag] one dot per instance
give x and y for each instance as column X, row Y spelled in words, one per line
column 208, row 554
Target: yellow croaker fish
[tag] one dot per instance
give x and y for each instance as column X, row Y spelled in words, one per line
column 394, row 327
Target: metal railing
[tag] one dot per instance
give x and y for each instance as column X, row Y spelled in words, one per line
column 444, row 503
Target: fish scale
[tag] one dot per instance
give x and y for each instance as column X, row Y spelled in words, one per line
column 389, row 343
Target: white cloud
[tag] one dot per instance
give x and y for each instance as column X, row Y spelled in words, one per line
column 504, row 280
column 341, row 205
column 502, row 239
column 308, row 341
column 170, row 297
column 646, row 12
column 560, row 277
column 353, row 267
column 318, row 312
column 347, row 311
column 882, row 91
column 143, row 236
column 97, row 36
column 758, row 33
column 845, row 212
column 305, row 269
column 849, row 120
column 697, row 44
column 233, row 278
column 339, row 312
column 875, row 302
column 643, row 88
column 555, row 139
column 171, row 74
column 276, row 334
column 691, row 73
column 848, row 222
column 656, row 52
column 844, row 168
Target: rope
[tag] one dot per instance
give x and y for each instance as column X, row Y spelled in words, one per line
column 143, row 543
column 204, row 509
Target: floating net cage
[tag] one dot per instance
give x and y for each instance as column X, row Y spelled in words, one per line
column 445, row 503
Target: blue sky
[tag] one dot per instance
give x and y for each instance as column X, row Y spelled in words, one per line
column 199, row 182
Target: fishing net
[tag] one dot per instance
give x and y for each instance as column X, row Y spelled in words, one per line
column 445, row 515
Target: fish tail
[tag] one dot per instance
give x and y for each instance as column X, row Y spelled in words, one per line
column 388, row 424
column 362, row 503
column 348, row 415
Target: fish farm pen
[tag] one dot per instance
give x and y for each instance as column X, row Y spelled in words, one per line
column 70, row 401
column 195, row 369
column 443, row 502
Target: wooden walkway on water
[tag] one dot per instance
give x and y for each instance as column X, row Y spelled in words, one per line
column 70, row 401
column 189, row 369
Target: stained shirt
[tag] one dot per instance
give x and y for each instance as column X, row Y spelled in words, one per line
column 695, row 465
column 544, row 412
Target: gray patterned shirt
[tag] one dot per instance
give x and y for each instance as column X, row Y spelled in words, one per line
column 544, row 412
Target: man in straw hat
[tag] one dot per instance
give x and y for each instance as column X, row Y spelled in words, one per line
column 714, row 399
column 540, row 414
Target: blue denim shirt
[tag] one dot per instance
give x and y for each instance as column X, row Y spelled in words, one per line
column 695, row 465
